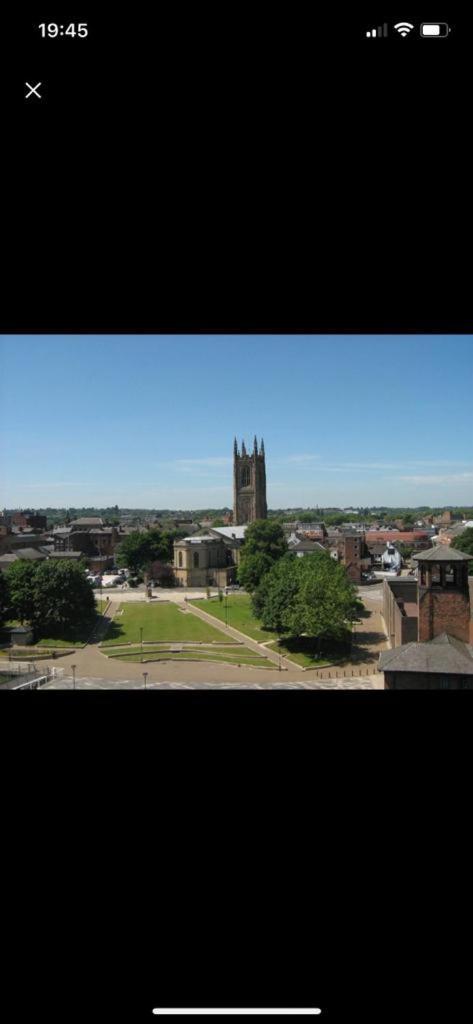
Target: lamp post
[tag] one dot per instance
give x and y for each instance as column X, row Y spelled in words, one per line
column 141, row 642
column 226, row 609
column 73, row 667
column 145, row 676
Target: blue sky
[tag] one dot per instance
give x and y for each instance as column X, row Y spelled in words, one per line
column 149, row 421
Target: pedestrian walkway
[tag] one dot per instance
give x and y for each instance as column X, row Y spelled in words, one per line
column 374, row 682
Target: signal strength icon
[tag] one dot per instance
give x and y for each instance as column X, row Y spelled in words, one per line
column 381, row 30
column 404, row 27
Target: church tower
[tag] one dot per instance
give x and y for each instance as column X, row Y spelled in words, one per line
column 443, row 595
column 249, row 484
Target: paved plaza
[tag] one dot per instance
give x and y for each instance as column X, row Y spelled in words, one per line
column 94, row 670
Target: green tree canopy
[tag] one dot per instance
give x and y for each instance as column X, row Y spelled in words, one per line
column 311, row 595
column 54, row 597
column 4, row 598
column 20, row 577
column 465, row 543
column 264, row 545
column 141, row 548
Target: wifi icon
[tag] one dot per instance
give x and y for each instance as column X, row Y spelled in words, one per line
column 404, row 27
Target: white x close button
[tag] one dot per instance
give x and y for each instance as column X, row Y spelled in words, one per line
column 33, row 90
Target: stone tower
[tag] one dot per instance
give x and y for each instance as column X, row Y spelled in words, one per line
column 249, row 484
column 443, row 595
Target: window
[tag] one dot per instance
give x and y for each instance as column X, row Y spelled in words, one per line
column 245, row 476
column 196, row 559
column 180, row 559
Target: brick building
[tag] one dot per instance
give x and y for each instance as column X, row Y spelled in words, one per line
column 429, row 621
column 27, row 520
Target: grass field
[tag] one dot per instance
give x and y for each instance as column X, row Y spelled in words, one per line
column 54, row 642
column 160, row 622
column 303, row 651
column 240, row 615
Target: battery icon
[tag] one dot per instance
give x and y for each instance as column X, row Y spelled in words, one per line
column 434, row 30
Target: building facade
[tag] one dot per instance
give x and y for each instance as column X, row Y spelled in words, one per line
column 429, row 624
column 204, row 561
column 249, row 484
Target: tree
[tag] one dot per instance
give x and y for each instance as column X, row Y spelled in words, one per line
column 163, row 573
column 4, row 598
column 264, row 545
column 140, row 549
column 54, row 597
column 465, row 543
column 64, row 600
column 20, row 577
column 310, row 596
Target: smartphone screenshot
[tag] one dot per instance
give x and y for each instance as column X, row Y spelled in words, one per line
column 236, row 512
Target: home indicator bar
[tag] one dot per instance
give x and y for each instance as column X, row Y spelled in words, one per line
column 238, row 1011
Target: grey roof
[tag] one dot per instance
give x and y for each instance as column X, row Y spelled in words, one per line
column 231, row 532
column 444, row 654
column 88, row 521
column 442, row 553
column 204, row 538
column 66, row 554
column 30, row 553
column 305, row 545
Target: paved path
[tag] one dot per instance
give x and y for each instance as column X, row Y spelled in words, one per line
column 235, row 634
column 374, row 682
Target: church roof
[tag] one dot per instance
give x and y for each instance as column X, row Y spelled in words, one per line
column 444, row 654
column 230, row 532
column 443, row 553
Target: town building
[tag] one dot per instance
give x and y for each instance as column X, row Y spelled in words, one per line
column 249, row 484
column 429, row 624
column 26, row 520
column 203, row 561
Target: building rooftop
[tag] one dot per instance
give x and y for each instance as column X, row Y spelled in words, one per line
column 444, row 655
column 30, row 553
column 88, row 521
column 231, row 532
column 442, row 553
column 66, row 554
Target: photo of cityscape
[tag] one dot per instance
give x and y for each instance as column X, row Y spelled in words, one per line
column 254, row 512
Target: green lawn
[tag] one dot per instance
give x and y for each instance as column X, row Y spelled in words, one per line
column 159, row 622
column 240, row 615
column 54, row 642
column 304, row 651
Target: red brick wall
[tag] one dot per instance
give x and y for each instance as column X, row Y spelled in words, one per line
column 444, row 612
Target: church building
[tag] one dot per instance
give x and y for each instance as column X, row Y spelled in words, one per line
column 249, row 484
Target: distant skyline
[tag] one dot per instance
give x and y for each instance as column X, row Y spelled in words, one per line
column 149, row 421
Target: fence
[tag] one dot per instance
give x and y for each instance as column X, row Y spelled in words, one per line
column 29, row 677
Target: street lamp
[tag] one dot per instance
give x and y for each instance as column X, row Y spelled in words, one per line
column 73, row 667
column 145, row 676
column 141, row 641
column 226, row 609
